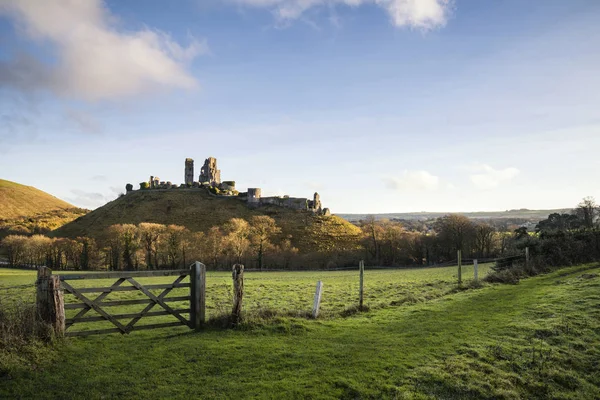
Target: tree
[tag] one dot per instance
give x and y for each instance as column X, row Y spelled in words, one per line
column 558, row 223
column 15, row 249
column 149, row 234
column 123, row 244
column 484, row 239
column 237, row 237
column 454, row 231
column 173, row 244
column 587, row 211
column 262, row 229
column 214, row 245
column 373, row 231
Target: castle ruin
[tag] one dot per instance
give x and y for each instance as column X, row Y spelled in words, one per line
column 209, row 174
column 210, row 179
column 189, row 172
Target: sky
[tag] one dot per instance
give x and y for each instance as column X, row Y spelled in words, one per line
column 381, row 106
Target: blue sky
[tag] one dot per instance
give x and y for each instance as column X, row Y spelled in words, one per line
column 379, row 105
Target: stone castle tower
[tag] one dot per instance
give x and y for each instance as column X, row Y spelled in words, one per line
column 209, row 172
column 189, row 172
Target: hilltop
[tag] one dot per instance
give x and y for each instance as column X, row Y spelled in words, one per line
column 27, row 210
column 198, row 210
column 18, row 200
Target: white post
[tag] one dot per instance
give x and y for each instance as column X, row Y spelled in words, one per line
column 475, row 265
column 317, row 303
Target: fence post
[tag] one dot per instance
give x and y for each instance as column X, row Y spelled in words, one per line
column 361, row 267
column 317, row 302
column 238, row 293
column 527, row 256
column 197, row 295
column 50, row 302
column 459, row 256
column 475, row 268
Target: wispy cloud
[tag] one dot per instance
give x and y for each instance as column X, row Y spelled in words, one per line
column 82, row 198
column 421, row 14
column 487, row 177
column 413, row 181
column 94, row 60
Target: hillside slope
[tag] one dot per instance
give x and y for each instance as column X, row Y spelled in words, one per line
column 199, row 211
column 18, row 200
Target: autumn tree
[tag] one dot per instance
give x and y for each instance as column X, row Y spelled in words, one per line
column 373, row 232
column 174, row 245
column 150, row 234
column 213, row 245
column 238, row 231
column 15, row 249
column 262, row 229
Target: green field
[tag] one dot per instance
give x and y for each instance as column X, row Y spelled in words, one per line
column 269, row 293
column 422, row 338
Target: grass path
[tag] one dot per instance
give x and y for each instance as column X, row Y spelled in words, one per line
column 537, row 339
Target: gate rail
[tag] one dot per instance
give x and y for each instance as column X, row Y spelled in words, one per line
column 52, row 287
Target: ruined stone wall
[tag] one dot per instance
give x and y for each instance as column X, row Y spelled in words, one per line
column 296, row 203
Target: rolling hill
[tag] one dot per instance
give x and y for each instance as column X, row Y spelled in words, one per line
column 199, row 211
column 18, row 200
column 27, row 210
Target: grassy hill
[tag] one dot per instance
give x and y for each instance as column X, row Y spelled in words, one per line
column 199, row 211
column 18, row 200
column 27, row 210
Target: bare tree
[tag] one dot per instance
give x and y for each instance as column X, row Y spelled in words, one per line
column 455, row 231
column 587, row 211
column 262, row 229
column 484, row 239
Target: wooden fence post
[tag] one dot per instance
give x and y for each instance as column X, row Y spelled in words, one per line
column 475, row 268
column 527, row 256
column 197, row 295
column 459, row 256
column 361, row 267
column 317, row 302
column 238, row 293
column 50, row 302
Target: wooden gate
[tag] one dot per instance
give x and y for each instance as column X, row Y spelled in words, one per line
column 51, row 306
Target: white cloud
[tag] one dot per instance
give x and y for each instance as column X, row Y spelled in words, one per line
column 413, row 181
column 94, row 60
column 490, row 178
column 422, row 14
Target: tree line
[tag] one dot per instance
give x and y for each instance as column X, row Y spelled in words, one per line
column 259, row 243
column 153, row 246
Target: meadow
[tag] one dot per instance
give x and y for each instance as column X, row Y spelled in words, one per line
column 422, row 338
column 269, row 294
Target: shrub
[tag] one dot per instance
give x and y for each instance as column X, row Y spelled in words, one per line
column 144, row 185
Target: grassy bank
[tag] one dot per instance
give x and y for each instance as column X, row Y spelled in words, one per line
column 537, row 339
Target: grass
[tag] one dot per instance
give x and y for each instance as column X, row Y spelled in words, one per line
column 25, row 201
column 538, row 339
